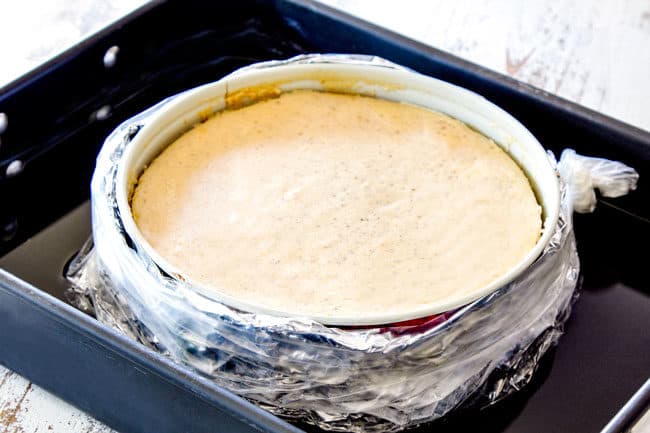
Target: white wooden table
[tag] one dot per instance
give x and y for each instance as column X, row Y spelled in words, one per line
column 596, row 53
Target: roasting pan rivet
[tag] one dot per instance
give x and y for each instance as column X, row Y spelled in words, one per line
column 110, row 57
column 102, row 113
column 8, row 229
column 14, row 168
column 4, row 122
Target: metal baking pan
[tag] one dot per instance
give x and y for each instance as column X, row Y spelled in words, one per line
column 59, row 114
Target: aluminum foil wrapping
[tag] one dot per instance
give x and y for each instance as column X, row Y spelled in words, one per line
column 360, row 380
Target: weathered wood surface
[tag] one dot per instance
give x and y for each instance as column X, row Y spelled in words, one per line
column 596, row 53
column 26, row 408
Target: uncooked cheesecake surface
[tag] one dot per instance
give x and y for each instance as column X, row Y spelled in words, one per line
column 333, row 205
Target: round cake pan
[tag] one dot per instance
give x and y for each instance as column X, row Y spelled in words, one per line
column 336, row 74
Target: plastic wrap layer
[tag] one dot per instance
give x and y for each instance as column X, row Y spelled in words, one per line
column 359, row 380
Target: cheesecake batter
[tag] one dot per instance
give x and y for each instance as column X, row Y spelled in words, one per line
column 333, row 205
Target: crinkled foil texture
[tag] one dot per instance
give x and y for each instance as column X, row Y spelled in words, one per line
column 341, row 380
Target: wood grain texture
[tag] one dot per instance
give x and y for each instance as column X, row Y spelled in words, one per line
column 593, row 53
column 26, row 408
column 596, row 53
